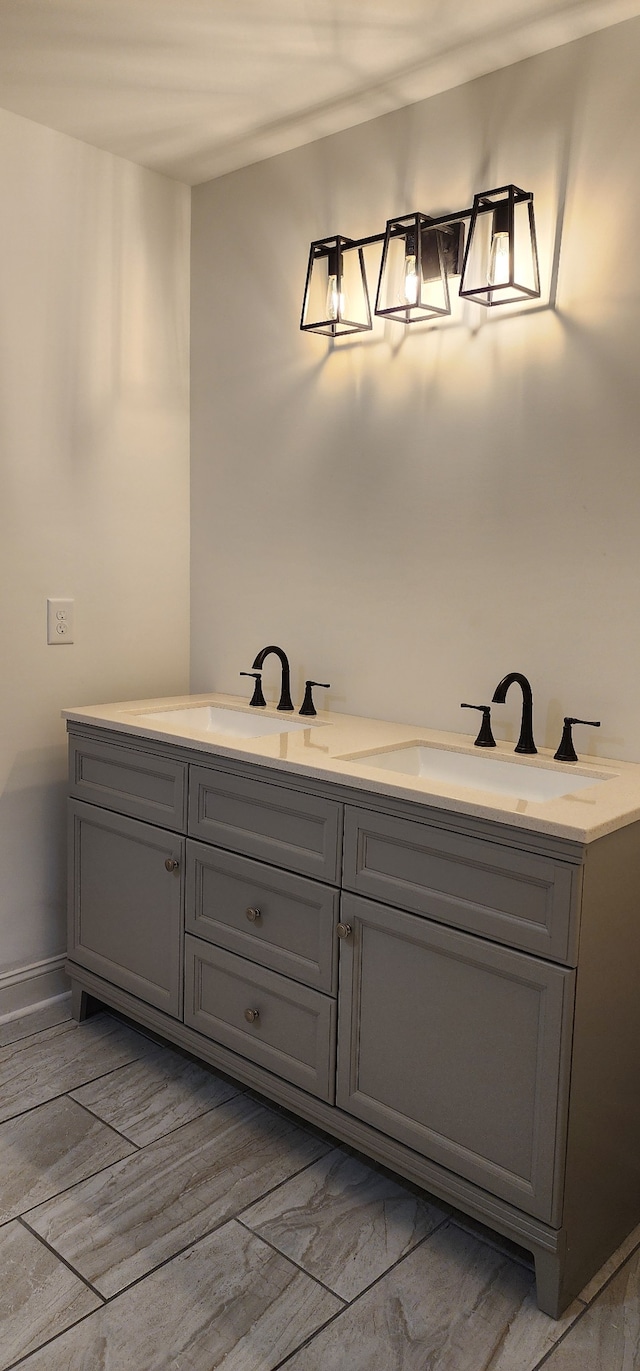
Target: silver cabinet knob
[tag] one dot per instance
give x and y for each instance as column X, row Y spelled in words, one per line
column 254, row 915
column 252, row 1015
column 172, row 863
column 344, row 930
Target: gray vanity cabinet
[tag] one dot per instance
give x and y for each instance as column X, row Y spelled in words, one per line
column 480, row 980
column 126, row 903
column 457, row 1048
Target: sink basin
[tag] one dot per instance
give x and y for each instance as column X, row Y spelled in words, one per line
column 520, row 781
column 227, row 723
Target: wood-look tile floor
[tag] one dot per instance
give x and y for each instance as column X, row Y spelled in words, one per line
column 156, row 1217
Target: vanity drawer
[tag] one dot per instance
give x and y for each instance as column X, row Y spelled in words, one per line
column 132, row 782
column 293, row 1033
column 280, row 920
column 260, row 819
column 520, row 898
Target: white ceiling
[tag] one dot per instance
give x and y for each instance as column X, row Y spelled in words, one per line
column 195, row 88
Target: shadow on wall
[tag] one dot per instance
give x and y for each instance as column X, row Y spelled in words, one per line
column 32, row 856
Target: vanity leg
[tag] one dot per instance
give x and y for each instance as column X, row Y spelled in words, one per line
column 83, row 1004
column 551, row 1297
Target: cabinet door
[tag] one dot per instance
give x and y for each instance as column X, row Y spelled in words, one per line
column 458, row 1048
column 125, row 907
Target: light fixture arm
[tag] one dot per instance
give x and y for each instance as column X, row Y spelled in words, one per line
column 442, row 221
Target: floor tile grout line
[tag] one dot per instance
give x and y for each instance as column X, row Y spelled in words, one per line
column 61, row 1030
column 168, row 1049
column 139, row 1151
column 578, row 1319
column 50, row 1100
column 634, row 1251
column 113, row 1071
column 351, row 1303
column 60, row 1258
column 140, row 1147
column 329, row 1143
column 274, row 1188
column 156, row 1039
column 310, row 1337
column 110, row 1299
column 105, row 1124
column 586, row 1307
column 208, row 1233
column 444, row 1220
column 365, row 1291
column 8, row 1050
column 5, row 1047
column 67, row 1188
column 61, row 1094
column 48, row 1341
column 420, row 1243
column 292, row 1262
column 339, row 1313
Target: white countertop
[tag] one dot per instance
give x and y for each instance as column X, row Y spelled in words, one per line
column 324, row 749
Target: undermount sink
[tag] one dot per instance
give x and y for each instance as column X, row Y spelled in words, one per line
column 516, row 779
column 227, row 723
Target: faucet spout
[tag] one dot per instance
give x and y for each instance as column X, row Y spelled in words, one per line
column 285, row 693
column 525, row 742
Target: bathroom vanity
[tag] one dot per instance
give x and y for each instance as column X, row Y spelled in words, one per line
column 444, row 977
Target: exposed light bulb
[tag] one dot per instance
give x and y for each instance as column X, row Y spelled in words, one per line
column 499, row 268
column 335, row 299
column 410, row 279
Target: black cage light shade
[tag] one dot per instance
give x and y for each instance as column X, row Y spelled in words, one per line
column 413, row 272
column 336, row 298
column 501, row 257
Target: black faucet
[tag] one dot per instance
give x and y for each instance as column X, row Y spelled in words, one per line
column 285, row 694
column 525, row 742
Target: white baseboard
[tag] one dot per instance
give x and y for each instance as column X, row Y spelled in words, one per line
column 32, row 987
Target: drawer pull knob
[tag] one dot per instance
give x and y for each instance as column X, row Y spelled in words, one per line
column 252, row 1015
column 171, row 863
column 254, row 915
column 344, row 930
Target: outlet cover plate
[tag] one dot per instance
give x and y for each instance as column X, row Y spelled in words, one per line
column 59, row 621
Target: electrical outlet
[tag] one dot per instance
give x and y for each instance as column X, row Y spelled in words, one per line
column 60, row 621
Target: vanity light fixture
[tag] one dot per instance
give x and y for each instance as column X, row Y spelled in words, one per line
column 498, row 265
column 336, row 298
column 501, row 256
column 416, row 261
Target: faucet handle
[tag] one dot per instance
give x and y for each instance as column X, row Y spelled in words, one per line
column 307, row 706
column 485, row 737
column 566, row 751
column 257, row 698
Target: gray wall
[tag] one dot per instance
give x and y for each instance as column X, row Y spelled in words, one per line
column 412, row 516
column 94, row 463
